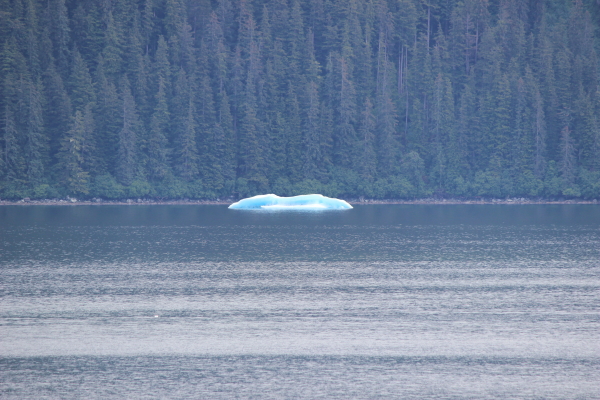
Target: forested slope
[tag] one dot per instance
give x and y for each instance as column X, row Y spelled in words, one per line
column 374, row 98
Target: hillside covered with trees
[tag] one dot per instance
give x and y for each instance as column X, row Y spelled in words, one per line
column 375, row 98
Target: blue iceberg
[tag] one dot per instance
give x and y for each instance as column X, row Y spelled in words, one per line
column 303, row 202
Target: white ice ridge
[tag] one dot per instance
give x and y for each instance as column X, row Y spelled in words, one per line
column 303, row 202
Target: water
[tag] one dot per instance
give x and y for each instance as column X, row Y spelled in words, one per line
column 386, row 301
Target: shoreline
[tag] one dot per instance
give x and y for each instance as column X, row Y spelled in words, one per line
column 431, row 201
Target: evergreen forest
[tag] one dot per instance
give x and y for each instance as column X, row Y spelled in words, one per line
column 381, row 99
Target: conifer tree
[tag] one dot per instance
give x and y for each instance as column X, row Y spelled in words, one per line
column 346, row 133
column 112, row 46
column 136, row 63
column 71, row 157
column 13, row 162
column 539, row 133
column 90, row 145
column 226, row 131
column 186, row 152
column 185, row 129
column 293, row 130
column 128, row 136
column 467, row 125
column 80, row 83
column 109, row 113
column 88, row 22
column 217, row 52
column 162, row 66
column 57, row 117
column 445, row 162
column 174, row 17
column 209, row 138
column 147, row 24
column 367, row 157
column 157, row 142
column 59, row 33
column 296, row 39
column 385, row 113
column 311, row 137
column 35, row 138
column 31, row 48
column 567, row 160
column 251, row 153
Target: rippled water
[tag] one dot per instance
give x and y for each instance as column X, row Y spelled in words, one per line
column 387, row 301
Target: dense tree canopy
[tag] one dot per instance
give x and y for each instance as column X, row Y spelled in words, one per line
column 349, row 98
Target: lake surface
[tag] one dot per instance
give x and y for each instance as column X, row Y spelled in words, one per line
column 382, row 301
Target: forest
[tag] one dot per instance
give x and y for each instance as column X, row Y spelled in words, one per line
column 380, row 99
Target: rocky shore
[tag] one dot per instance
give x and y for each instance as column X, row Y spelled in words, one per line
column 70, row 201
column 477, row 201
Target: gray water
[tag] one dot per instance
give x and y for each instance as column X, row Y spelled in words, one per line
column 385, row 301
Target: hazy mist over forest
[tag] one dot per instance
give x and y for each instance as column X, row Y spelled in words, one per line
column 384, row 99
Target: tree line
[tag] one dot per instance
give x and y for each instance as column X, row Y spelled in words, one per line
column 230, row 98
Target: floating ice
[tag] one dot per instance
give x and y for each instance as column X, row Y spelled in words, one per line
column 303, row 202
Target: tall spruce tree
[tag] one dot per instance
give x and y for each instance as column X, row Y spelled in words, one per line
column 72, row 155
column 157, row 146
column 128, row 136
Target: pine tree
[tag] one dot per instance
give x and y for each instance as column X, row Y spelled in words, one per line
column 157, row 146
column 311, row 158
column 31, row 29
column 437, row 141
column 174, row 17
column 71, row 157
column 567, row 160
column 127, row 152
column 345, row 136
column 80, row 83
column 147, row 24
column 277, row 155
column 217, row 52
column 293, row 130
column 539, row 134
column 296, row 40
column 209, row 138
column 501, row 117
column 90, row 146
column 59, row 33
column 112, row 52
column 236, row 87
column 367, row 162
column 136, row 63
column 466, row 127
column 57, row 116
column 186, row 53
column 199, row 12
column 385, row 113
column 162, row 66
column 185, row 127
column 590, row 146
column 225, row 127
column 186, row 152
column 251, row 153
column 364, row 65
column 14, row 164
column 445, row 162
column 89, row 22
column 35, row 139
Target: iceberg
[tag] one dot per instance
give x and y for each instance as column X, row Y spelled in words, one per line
column 302, row 202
